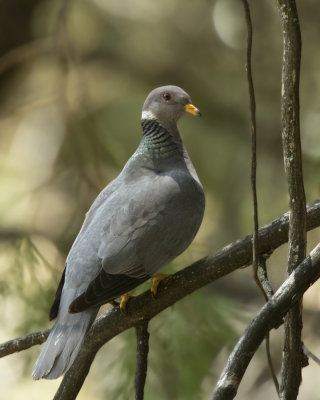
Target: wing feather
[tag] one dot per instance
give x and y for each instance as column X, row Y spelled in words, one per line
column 105, row 288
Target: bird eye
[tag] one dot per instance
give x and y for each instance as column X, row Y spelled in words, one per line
column 166, row 96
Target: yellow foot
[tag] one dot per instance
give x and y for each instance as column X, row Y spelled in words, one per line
column 123, row 303
column 155, row 283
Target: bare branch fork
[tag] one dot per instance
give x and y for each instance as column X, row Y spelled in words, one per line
column 270, row 316
column 171, row 290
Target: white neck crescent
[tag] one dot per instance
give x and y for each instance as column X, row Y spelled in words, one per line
column 148, row 115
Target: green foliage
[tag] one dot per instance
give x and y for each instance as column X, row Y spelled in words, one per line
column 32, row 279
column 185, row 341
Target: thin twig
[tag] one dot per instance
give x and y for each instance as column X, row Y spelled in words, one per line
column 263, row 276
column 253, row 147
column 289, row 293
column 259, row 266
column 142, row 359
column 270, row 363
column 311, row 355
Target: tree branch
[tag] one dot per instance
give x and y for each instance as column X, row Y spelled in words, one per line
column 289, row 293
column 293, row 356
column 142, row 359
column 23, row 343
column 171, row 290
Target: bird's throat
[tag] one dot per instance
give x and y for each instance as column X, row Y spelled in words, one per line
column 159, row 141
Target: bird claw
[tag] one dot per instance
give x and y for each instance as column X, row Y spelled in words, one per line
column 123, row 303
column 155, row 283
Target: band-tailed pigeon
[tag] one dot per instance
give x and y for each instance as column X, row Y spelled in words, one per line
column 142, row 220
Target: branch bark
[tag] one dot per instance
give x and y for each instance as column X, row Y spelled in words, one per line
column 23, row 343
column 293, row 356
column 270, row 315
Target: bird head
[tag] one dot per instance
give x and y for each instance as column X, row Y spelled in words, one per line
column 167, row 104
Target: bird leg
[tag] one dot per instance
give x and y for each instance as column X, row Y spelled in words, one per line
column 124, row 300
column 155, row 283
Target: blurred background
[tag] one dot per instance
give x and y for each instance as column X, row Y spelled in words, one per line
column 73, row 78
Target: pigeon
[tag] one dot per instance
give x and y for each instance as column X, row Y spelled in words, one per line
column 141, row 221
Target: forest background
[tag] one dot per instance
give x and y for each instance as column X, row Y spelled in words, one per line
column 72, row 83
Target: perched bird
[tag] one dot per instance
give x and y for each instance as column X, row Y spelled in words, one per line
column 142, row 220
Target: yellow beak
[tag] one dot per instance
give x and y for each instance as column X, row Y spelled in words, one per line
column 190, row 108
